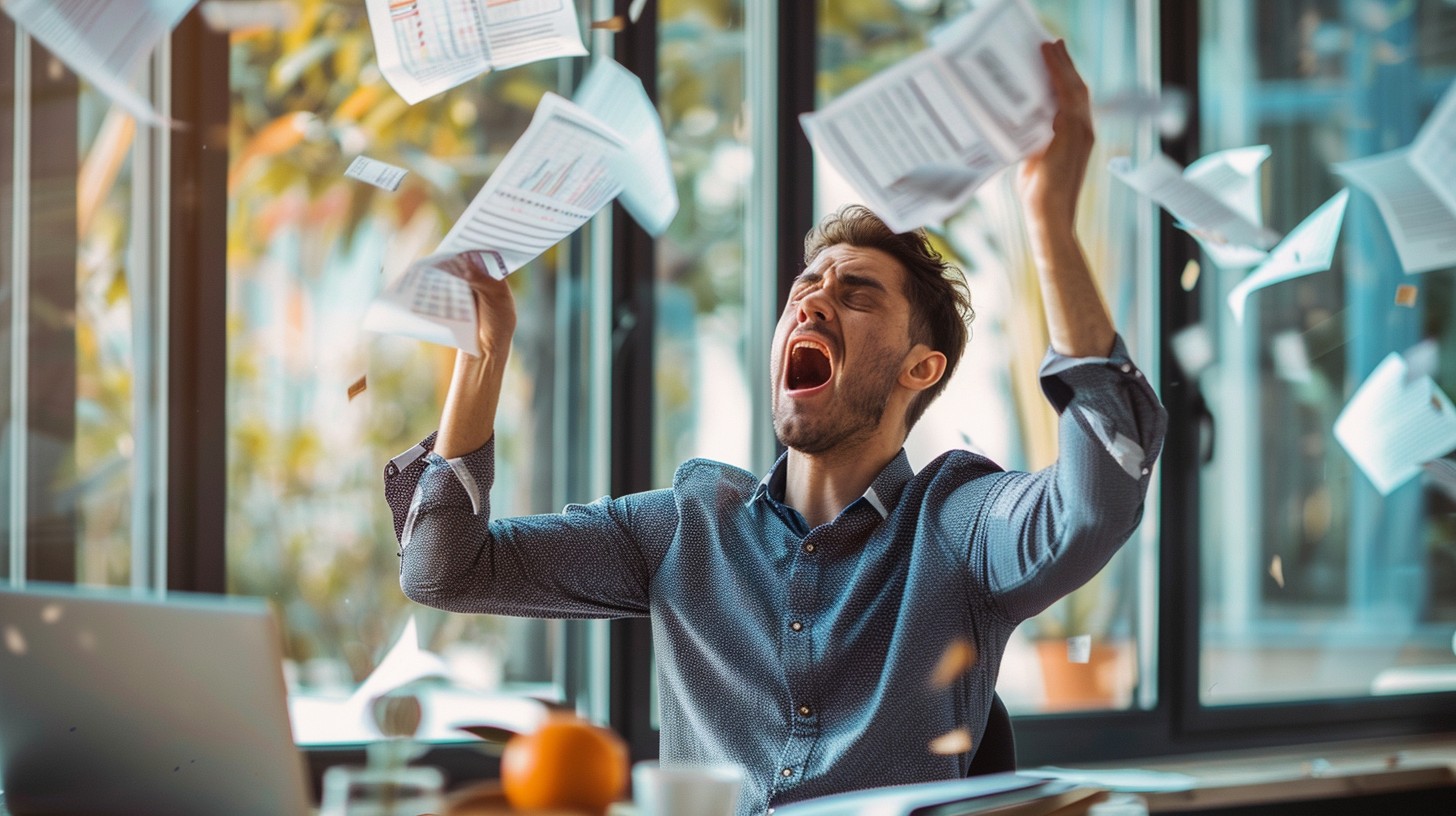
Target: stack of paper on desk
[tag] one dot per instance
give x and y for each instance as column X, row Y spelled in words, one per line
column 917, row 139
column 428, row 46
column 573, row 159
column 1415, row 189
column 1003, row 794
column 103, row 41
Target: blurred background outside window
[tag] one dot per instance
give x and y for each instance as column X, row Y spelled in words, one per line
column 1314, row 585
column 307, row 249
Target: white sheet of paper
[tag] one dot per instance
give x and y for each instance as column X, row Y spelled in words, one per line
column 1193, row 349
column 1309, row 248
column 1433, row 154
column 1391, row 426
column 383, row 175
column 1232, row 176
column 428, row 304
column 616, row 97
column 523, row 31
column 1079, row 649
column 978, row 100
column 1129, row 780
column 1207, row 216
column 104, row 41
column 553, row 180
column 428, row 46
column 1422, row 227
column 404, row 663
column 1291, row 356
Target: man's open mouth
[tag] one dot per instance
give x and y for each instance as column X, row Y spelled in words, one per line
column 809, row 365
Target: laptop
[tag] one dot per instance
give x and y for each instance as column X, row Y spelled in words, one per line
column 113, row 703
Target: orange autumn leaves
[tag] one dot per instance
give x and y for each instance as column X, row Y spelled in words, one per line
column 957, row 659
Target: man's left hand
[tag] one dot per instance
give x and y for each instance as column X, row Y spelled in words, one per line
column 1051, row 181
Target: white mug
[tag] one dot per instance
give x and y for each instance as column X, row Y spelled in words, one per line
column 686, row 790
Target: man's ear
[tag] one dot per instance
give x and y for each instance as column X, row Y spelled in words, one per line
column 926, row 367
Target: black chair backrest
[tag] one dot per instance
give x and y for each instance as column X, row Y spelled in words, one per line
column 997, row 752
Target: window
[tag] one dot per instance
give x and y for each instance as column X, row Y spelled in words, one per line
column 1314, row 585
column 994, row 404
column 307, row 250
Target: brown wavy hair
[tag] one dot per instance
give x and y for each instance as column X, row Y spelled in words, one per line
column 940, row 301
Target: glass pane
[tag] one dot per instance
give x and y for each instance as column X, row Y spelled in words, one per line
column 993, row 403
column 107, row 340
column 308, row 249
column 701, row 396
column 7, row 282
column 1316, row 585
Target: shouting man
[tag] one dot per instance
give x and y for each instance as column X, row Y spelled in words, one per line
column 797, row 619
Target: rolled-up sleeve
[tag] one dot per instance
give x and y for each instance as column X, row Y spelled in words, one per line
column 588, row 561
column 1038, row 536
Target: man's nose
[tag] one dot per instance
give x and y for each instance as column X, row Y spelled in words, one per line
column 815, row 307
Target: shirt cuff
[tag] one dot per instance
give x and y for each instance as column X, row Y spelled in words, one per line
column 1062, row 375
column 474, row 471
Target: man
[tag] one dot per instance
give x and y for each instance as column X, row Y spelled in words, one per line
column 797, row 619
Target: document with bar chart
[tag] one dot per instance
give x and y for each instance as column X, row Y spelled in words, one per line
column 551, row 182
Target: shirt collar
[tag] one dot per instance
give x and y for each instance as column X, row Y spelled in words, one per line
column 882, row 494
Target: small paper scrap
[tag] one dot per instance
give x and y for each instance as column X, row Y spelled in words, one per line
column 358, row 387
column 613, row 24
column 957, row 659
column 1276, row 571
column 952, row 743
column 383, row 175
column 1191, row 271
column 1079, row 649
column 1405, row 295
column 634, row 13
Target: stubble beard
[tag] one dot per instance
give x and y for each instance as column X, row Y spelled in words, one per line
column 856, row 414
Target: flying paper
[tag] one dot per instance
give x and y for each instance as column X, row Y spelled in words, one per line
column 1227, row 231
column 103, row 41
column 1415, row 190
column 917, row 139
column 1392, row 425
column 425, row 47
column 1309, row 248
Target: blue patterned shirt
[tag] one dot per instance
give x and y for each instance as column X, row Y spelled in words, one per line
column 804, row 656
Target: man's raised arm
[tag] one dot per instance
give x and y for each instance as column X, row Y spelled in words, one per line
column 588, row 561
column 1038, row 536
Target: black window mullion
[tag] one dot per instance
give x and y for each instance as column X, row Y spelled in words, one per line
column 197, row 312
column 633, row 272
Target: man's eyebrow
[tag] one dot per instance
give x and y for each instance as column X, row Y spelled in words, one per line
column 848, row 280
column 861, row 282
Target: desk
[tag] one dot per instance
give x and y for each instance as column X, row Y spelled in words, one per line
column 1282, row 779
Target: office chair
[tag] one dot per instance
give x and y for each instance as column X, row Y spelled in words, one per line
column 997, row 753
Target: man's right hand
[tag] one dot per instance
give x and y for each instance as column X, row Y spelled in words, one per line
column 495, row 306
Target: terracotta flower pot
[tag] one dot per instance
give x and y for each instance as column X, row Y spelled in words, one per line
column 1105, row 681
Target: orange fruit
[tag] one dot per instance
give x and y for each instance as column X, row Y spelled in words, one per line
column 568, row 763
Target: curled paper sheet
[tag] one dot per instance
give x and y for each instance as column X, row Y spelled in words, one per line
column 1309, row 248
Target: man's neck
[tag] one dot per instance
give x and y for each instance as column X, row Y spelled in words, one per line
column 821, row 485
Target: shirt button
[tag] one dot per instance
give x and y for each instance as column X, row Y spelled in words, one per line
column 1126, row 368
column 1145, row 471
column 808, row 548
column 787, row 772
column 796, row 626
column 804, row 711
